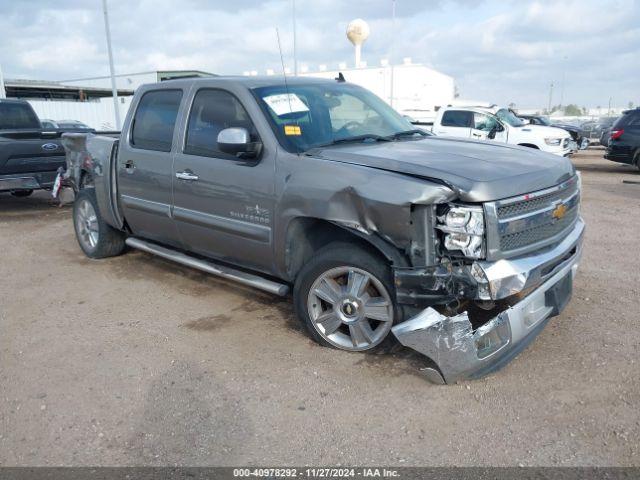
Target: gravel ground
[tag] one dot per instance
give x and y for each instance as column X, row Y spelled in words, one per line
column 137, row 361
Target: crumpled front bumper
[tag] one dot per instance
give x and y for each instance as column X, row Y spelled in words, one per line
column 461, row 352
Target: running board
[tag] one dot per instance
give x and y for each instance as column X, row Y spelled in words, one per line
column 210, row 267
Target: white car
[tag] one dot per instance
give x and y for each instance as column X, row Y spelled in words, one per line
column 501, row 125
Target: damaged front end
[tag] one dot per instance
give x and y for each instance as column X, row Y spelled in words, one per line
column 523, row 294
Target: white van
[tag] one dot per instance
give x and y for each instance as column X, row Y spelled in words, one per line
column 501, row 125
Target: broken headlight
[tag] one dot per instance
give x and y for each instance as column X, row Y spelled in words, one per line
column 463, row 229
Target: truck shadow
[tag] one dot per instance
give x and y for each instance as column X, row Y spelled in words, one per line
column 39, row 203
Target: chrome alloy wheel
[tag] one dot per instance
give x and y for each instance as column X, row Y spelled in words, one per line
column 350, row 308
column 87, row 225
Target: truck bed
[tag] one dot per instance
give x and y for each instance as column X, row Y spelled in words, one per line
column 91, row 157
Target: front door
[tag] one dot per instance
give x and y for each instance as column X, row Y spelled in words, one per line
column 223, row 205
column 487, row 127
column 145, row 166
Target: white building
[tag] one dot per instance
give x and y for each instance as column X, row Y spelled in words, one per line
column 88, row 100
column 131, row 81
column 418, row 90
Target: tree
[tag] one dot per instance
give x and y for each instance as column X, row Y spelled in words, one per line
column 572, row 110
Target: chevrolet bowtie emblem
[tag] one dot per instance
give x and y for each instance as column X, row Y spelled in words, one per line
column 559, row 212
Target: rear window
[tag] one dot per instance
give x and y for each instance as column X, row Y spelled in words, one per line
column 155, row 120
column 457, row 118
column 15, row 116
column 628, row 120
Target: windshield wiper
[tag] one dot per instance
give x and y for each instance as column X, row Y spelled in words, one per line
column 355, row 139
column 407, row 133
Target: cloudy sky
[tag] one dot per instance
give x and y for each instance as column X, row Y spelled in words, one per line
column 497, row 50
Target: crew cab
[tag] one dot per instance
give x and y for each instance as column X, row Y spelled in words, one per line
column 501, row 125
column 459, row 249
column 29, row 155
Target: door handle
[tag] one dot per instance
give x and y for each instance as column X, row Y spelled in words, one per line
column 477, row 135
column 129, row 166
column 187, row 175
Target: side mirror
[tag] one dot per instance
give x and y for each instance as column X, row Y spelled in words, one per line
column 236, row 141
column 492, row 133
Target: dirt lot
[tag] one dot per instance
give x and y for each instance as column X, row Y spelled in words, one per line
column 136, row 361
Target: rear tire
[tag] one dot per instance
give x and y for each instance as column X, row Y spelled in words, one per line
column 96, row 238
column 21, row 193
column 636, row 159
column 344, row 297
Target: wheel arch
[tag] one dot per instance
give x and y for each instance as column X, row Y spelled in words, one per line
column 306, row 235
column 529, row 145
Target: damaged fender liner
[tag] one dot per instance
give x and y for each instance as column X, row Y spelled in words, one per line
column 461, row 352
column 439, row 284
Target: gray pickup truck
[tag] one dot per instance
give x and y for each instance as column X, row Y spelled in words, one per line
column 461, row 250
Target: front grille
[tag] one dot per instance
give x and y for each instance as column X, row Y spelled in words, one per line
column 537, row 234
column 535, row 202
column 534, row 220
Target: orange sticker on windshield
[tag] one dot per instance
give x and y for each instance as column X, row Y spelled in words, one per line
column 292, row 130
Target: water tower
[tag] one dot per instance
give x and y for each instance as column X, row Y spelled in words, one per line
column 357, row 32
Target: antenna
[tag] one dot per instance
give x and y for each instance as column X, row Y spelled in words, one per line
column 284, row 76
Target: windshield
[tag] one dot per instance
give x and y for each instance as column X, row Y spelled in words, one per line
column 545, row 121
column 509, row 117
column 308, row 116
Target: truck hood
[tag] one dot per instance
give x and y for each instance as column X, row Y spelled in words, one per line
column 477, row 171
column 541, row 131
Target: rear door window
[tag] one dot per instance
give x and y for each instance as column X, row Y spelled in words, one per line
column 629, row 120
column 457, row 118
column 155, row 120
column 15, row 116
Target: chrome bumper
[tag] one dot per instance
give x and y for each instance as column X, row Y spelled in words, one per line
column 27, row 181
column 460, row 352
column 510, row 276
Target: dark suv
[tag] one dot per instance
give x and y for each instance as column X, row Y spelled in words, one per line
column 624, row 140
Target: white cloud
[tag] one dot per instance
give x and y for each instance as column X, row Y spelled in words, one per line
column 498, row 50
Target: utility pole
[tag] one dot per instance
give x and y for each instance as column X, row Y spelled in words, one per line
column 564, row 71
column 393, row 38
column 295, row 49
column 114, row 90
column 550, row 97
column 3, row 92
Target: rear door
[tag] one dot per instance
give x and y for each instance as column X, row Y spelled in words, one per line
column 455, row 123
column 145, row 166
column 225, row 209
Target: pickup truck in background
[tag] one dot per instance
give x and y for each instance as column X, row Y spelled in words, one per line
column 577, row 135
column 462, row 250
column 503, row 126
column 30, row 155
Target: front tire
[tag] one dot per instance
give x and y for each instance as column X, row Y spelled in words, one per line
column 344, row 297
column 96, row 238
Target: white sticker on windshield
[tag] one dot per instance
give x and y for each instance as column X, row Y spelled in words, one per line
column 285, row 103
